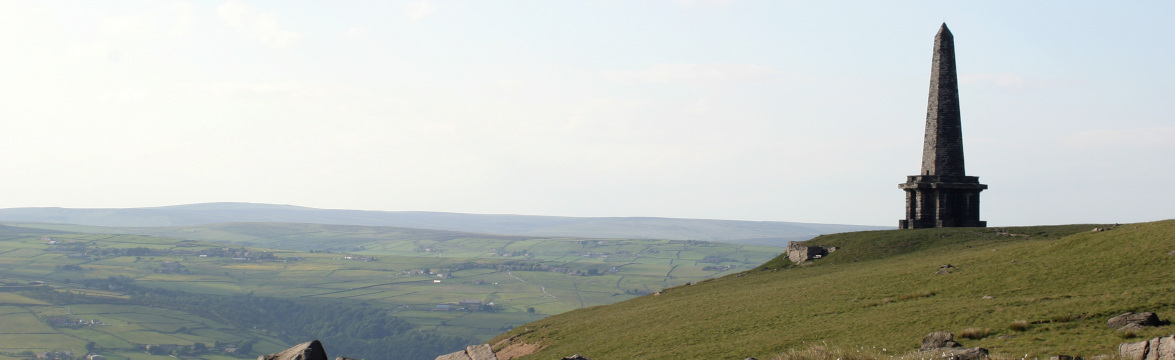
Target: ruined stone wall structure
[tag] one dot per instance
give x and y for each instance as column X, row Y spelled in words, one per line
column 942, row 195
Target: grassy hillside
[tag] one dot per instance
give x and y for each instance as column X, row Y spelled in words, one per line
column 880, row 291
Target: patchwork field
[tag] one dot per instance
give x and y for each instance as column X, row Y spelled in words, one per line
column 468, row 287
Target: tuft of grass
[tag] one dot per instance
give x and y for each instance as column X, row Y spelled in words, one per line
column 822, row 352
column 1069, row 317
column 1019, row 325
column 924, row 294
column 1128, row 334
column 879, row 302
column 974, row 333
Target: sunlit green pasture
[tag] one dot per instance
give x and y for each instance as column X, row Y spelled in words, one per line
column 392, row 281
column 26, row 322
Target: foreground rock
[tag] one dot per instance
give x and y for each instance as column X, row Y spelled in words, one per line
column 938, row 340
column 1134, row 320
column 305, row 351
column 965, row 354
column 473, row 352
column 1160, row 348
column 941, row 344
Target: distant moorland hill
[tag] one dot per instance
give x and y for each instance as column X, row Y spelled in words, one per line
column 1025, row 292
column 745, row 232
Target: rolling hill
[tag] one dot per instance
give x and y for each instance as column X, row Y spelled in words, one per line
column 1029, row 292
column 775, row 233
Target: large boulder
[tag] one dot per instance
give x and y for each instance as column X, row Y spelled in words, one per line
column 1133, row 351
column 480, row 352
column 472, row 352
column 305, row 351
column 1160, row 348
column 942, row 345
column 1140, row 319
column 460, row 355
column 966, row 354
column 798, row 253
column 939, row 340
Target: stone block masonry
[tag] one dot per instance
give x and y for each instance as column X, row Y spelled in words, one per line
column 942, row 195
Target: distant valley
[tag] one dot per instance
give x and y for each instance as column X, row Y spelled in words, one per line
column 432, row 290
column 197, row 281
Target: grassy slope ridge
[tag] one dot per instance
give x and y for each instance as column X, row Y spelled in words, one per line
column 880, row 291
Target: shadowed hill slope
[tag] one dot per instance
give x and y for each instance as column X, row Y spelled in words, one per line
column 881, row 291
column 747, row 232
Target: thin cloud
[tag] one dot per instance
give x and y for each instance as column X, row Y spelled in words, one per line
column 355, row 32
column 263, row 27
column 692, row 74
column 1154, row 138
column 1014, row 81
column 710, row 3
column 151, row 23
column 418, row 10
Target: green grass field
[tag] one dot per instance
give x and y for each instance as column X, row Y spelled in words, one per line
column 880, row 291
column 40, row 254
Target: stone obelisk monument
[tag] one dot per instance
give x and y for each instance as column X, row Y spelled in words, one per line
column 942, row 195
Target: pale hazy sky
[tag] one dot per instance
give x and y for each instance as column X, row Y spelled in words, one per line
column 752, row 110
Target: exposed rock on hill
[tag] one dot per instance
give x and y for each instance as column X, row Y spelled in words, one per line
column 798, row 253
column 938, row 340
column 473, row 352
column 1160, row 348
column 965, row 354
column 1134, row 320
column 305, row 351
column 943, row 345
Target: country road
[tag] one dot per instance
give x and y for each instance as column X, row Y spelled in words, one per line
column 543, row 288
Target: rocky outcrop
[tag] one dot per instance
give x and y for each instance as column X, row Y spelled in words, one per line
column 941, row 344
column 965, row 354
column 480, row 352
column 1160, row 348
column 473, row 352
column 576, row 357
column 1134, row 320
column 305, row 351
column 798, row 253
column 938, row 340
column 460, row 355
column 510, row 349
